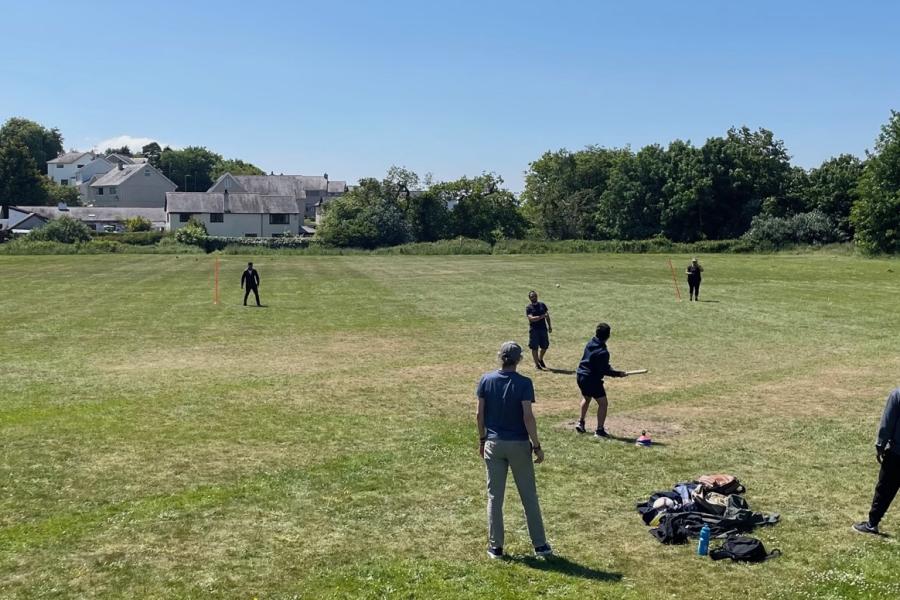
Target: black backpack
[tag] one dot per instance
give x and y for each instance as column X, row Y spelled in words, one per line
column 746, row 549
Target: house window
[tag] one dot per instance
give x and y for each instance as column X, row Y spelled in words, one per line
column 112, row 190
column 63, row 182
column 216, row 218
column 59, row 165
column 249, row 235
column 279, row 219
column 78, row 166
column 184, row 217
column 100, row 191
column 146, row 172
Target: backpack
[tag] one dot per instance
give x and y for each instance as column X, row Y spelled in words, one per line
column 721, row 483
column 746, row 549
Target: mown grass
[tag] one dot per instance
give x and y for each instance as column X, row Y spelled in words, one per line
column 158, row 446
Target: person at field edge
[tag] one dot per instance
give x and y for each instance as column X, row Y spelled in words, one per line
column 887, row 453
column 539, row 329
column 250, row 282
column 694, row 277
column 508, row 437
column 594, row 366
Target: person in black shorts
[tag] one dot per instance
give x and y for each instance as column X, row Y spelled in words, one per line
column 593, row 367
column 694, row 276
column 539, row 329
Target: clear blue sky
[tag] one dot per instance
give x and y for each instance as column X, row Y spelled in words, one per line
column 455, row 88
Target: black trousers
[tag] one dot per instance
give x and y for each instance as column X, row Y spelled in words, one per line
column 247, row 293
column 694, row 287
column 886, row 488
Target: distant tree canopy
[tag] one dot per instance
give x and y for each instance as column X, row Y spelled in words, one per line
column 194, row 169
column 123, row 150
column 876, row 213
column 25, row 148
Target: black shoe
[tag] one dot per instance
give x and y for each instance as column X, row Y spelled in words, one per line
column 495, row 552
column 601, row 433
column 543, row 364
column 542, row 551
column 580, row 427
column 538, row 366
column 864, row 527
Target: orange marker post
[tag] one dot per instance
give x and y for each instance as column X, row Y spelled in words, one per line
column 675, row 281
column 216, row 277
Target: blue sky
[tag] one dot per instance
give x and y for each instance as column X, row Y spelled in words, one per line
column 455, row 88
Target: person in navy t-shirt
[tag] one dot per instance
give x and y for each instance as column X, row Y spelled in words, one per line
column 508, row 434
column 539, row 329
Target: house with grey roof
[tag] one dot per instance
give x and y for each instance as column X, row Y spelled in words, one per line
column 62, row 168
column 27, row 218
column 121, row 159
column 136, row 186
column 307, row 190
column 239, row 214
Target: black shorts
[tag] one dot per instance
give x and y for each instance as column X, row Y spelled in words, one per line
column 591, row 387
column 538, row 338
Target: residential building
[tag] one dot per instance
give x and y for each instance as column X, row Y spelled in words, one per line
column 139, row 185
column 62, row 168
column 97, row 218
column 95, row 168
column 121, row 159
column 305, row 189
column 239, row 214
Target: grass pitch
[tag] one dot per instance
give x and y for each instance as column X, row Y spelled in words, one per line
column 157, row 446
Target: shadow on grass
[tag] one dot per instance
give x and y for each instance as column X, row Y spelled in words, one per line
column 709, row 301
column 560, row 371
column 559, row 564
column 632, row 440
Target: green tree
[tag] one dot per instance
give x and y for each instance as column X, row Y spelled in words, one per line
column 193, row 233
column 42, row 144
column 65, row 230
column 57, row 194
column 20, row 180
column 482, row 208
column 367, row 216
column 138, row 224
column 631, row 205
column 833, row 188
column 876, row 214
column 152, row 152
column 191, row 168
column 123, row 150
column 235, row 166
column 687, row 193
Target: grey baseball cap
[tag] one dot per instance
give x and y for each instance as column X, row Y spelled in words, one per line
column 510, row 351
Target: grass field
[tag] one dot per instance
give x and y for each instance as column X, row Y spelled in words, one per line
column 157, row 446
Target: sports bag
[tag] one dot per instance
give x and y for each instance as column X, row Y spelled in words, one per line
column 746, row 549
column 721, row 483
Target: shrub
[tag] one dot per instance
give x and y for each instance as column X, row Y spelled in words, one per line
column 64, row 230
column 814, row 227
column 192, row 234
column 137, row 238
column 135, row 224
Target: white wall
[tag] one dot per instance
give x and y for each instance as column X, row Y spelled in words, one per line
column 98, row 166
column 239, row 225
column 67, row 171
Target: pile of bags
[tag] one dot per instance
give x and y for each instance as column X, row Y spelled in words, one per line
column 714, row 500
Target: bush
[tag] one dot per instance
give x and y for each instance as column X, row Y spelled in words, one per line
column 64, row 230
column 814, row 227
column 135, row 224
column 192, row 234
column 137, row 238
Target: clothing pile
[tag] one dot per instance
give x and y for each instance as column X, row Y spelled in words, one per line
column 714, row 500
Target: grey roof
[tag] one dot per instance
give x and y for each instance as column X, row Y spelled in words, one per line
column 125, row 160
column 97, row 213
column 70, row 157
column 285, row 185
column 214, row 202
column 117, row 176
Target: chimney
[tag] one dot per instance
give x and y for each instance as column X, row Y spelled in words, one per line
column 225, row 206
column 120, row 166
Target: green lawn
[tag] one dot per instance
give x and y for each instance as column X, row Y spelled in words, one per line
column 155, row 445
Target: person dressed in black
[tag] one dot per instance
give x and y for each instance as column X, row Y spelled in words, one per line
column 887, row 453
column 593, row 367
column 539, row 329
column 250, row 283
column 694, row 276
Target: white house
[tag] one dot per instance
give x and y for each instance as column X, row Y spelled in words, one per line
column 139, row 185
column 229, row 214
column 305, row 189
column 123, row 160
column 62, row 168
column 95, row 168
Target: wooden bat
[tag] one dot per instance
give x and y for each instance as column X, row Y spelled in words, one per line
column 636, row 372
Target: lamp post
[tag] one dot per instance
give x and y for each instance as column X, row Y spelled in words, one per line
column 185, row 181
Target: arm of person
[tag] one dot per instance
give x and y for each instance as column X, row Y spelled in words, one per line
column 243, row 278
column 888, row 423
column 482, row 432
column 549, row 326
column 531, row 427
column 603, row 366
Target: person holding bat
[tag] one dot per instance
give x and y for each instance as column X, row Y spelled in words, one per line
column 594, row 366
column 539, row 329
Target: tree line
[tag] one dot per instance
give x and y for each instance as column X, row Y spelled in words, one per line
column 740, row 185
column 26, row 146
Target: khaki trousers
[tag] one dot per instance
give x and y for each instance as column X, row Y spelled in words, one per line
column 499, row 457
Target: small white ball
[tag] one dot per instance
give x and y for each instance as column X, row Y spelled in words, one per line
column 557, row 285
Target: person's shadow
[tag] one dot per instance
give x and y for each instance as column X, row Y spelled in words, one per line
column 565, row 566
column 632, row 440
column 560, row 371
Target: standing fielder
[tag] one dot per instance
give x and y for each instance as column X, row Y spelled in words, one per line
column 693, row 276
column 539, row 328
column 250, row 277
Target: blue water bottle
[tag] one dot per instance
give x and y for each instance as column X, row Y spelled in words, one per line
column 703, row 544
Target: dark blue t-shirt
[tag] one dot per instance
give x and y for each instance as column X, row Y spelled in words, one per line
column 503, row 393
column 595, row 361
column 536, row 310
